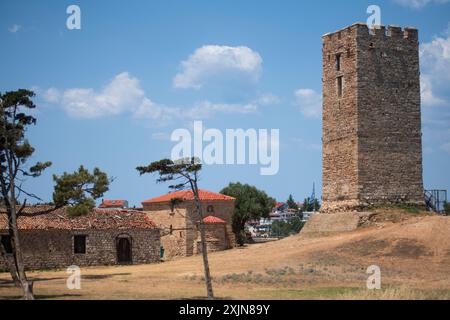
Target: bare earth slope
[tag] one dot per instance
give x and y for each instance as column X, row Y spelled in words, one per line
column 413, row 252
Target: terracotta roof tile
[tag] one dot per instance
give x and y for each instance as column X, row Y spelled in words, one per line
column 213, row 220
column 113, row 203
column 279, row 204
column 45, row 218
column 187, row 195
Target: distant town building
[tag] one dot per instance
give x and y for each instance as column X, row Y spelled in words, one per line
column 114, row 204
column 307, row 215
column 263, row 226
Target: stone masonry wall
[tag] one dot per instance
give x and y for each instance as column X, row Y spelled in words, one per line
column 389, row 122
column 216, row 238
column 173, row 227
column 340, row 121
column 184, row 219
column 51, row 249
column 223, row 210
column 372, row 149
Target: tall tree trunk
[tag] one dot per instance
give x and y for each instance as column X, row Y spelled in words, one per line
column 27, row 286
column 209, row 288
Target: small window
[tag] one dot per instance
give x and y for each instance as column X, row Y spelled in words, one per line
column 79, row 244
column 6, row 242
column 339, row 87
column 338, row 62
column 210, row 209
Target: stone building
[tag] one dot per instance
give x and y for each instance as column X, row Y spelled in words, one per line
column 372, row 141
column 105, row 237
column 176, row 215
column 215, row 234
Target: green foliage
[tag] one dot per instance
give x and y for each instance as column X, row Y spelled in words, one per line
column 447, row 208
column 408, row 207
column 175, row 202
column 287, row 228
column 291, row 203
column 310, row 205
column 250, row 204
column 186, row 169
column 15, row 149
column 37, row 169
column 80, row 189
column 81, row 209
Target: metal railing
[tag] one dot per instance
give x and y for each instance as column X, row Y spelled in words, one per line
column 435, row 200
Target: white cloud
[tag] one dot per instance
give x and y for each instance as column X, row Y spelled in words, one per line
column 52, row 95
column 123, row 94
column 15, row 28
column 151, row 110
column 435, row 60
column 309, row 102
column 206, row 109
column 427, row 95
column 211, row 62
column 418, row 4
column 267, row 99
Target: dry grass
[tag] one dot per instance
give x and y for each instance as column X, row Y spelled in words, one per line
column 400, row 293
column 412, row 253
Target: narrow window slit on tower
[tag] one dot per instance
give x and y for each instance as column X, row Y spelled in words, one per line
column 338, row 62
column 339, row 87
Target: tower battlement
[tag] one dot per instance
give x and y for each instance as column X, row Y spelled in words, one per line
column 372, row 140
column 383, row 32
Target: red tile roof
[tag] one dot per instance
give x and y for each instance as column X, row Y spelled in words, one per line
column 57, row 219
column 213, row 220
column 188, row 195
column 113, row 203
column 279, row 204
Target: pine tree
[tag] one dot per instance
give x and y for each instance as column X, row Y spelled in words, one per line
column 186, row 174
column 15, row 151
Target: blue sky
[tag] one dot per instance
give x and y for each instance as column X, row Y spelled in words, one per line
column 110, row 94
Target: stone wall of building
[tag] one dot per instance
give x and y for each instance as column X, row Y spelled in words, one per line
column 216, row 238
column 181, row 239
column 372, row 149
column 51, row 249
column 172, row 222
column 221, row 209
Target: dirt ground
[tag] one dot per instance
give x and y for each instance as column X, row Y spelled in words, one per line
column 413, row 252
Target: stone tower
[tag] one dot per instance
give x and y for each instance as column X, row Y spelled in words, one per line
column 372, row 140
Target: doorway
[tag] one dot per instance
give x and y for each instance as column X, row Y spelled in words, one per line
column 124, row 255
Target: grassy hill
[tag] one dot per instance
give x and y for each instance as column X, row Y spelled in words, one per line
column 411, row 248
